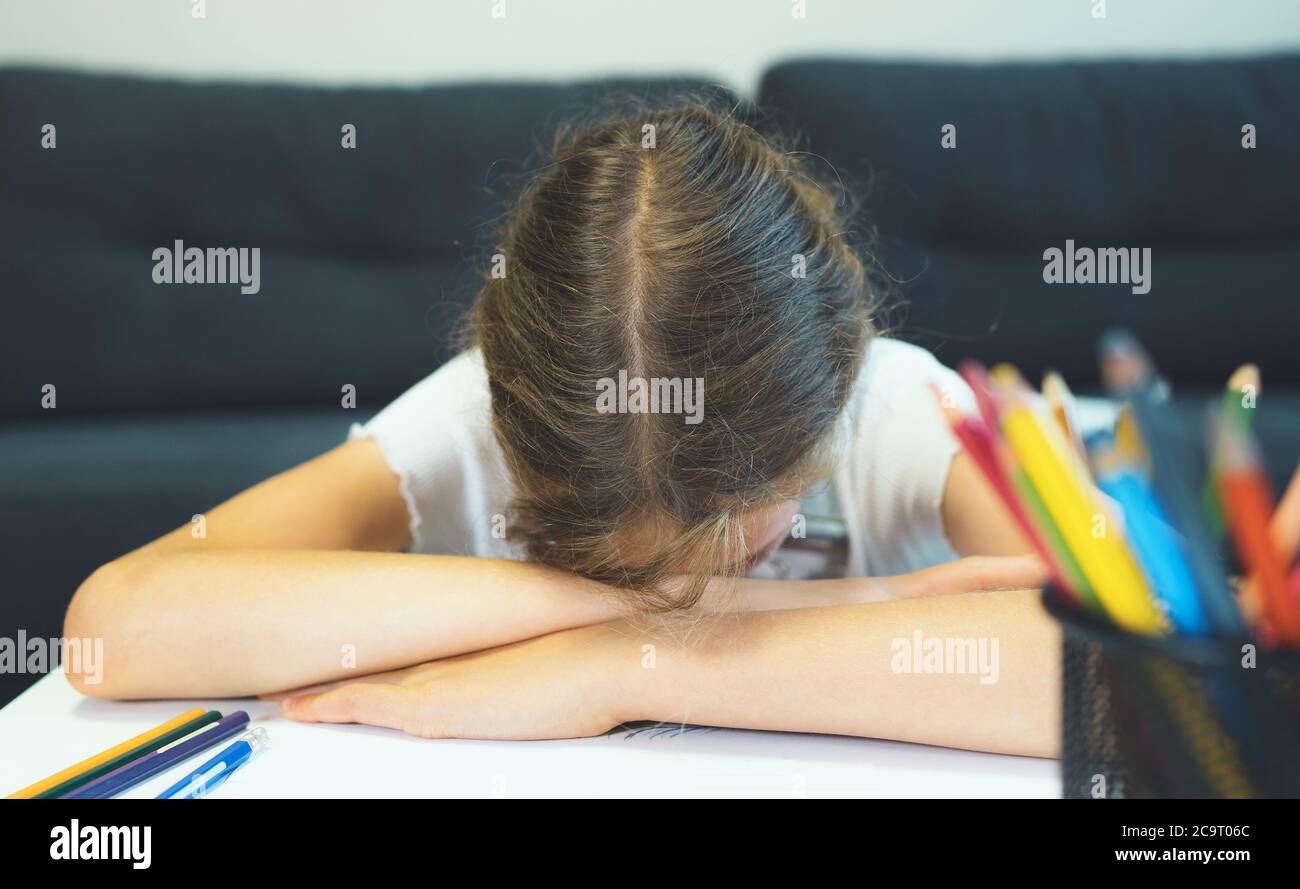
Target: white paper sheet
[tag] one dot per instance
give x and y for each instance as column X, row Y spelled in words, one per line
column 51, row 727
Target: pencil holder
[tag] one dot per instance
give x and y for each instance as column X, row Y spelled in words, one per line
column 1174, row 717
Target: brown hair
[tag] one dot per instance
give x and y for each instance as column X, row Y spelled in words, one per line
column 664, row 243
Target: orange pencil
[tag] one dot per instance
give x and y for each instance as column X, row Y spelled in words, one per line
column 111, row 753
column 1061, row 404
column 1248, row 503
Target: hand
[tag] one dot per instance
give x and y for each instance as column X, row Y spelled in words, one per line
column 563, row 685
column 969, row 575
column 973, row 574
column 571, row 684
column 1285, row 526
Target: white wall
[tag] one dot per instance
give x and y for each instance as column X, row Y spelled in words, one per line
column 728, row 40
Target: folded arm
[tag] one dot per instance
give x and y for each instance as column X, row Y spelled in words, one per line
column 299, row 581
column 852, row 670
column 847, row 669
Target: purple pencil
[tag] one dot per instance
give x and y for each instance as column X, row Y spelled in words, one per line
column 122, row 779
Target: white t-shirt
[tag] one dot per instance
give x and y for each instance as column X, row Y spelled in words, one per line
column 437, row 438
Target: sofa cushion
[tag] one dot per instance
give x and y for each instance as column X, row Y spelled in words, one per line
column 1108, row 154
column 78, row 492
column 368, row 255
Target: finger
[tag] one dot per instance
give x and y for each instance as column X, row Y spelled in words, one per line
column 388, row 677
column 305, row 690
column 971, row 575
column 389, row 706
column 987, row 573
column 1285, row 527
column 980, row 574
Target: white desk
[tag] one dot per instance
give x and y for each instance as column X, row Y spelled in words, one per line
column 50, row 727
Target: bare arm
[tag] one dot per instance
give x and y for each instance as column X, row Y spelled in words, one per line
column 839, row 670
column 832, row 669
column 974, row 518
column 296, row 582
column 242, row 622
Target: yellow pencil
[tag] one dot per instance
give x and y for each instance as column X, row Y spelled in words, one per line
column 1128, row 440
column 1060, row 402
column 1104, row 559
column 111, row 753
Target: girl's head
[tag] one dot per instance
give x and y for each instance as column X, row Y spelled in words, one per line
column 675, row 333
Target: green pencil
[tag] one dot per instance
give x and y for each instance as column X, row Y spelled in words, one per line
column 1054, row 542
column 1238, row 406
column 134, row 753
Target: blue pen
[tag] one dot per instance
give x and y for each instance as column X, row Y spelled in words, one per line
column 141, row 770
column 213, row 773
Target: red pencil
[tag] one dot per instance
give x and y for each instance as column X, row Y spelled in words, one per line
column 978, row 379
column 978, row 440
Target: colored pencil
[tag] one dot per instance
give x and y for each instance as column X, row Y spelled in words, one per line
column 1243, row 386
column 127, row 776
column 129, row 756
column 104, row 756
column 1060, row 402
column 1006, row 384
column 1154, row 542
column 980, row 443
column 1248, row 507
column 1076, row 585
column 1128, row 373
column 1128, row 441
column 1135, row 545
column 976, row 439
column 997, row 383
column 977, row 378
column 1104, row 559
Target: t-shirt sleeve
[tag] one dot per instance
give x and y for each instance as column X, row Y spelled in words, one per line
column 897, row 463
column 436, row 438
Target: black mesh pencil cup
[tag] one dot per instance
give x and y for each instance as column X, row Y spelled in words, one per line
column 1174, row 717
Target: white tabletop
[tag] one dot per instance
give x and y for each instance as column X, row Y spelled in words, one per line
column 50, row 727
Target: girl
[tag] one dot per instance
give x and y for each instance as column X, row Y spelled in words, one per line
column 503, row 523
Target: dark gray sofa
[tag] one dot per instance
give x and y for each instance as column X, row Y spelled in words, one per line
column 170, row 399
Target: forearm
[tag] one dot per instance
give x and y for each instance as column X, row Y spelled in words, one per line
column 241, row 622
column 838, row 670
column 184, row 622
